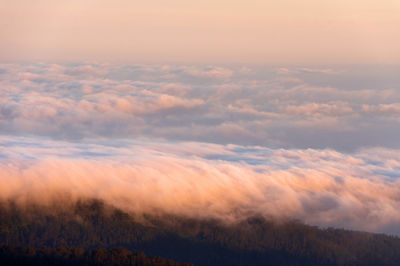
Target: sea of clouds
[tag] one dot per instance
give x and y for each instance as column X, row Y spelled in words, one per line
column 316, row 144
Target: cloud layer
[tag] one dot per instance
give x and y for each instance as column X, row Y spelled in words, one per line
column 338, row 108
column 318, row 144
column 324, row 187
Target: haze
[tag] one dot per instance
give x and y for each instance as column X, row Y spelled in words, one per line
column 176, row 31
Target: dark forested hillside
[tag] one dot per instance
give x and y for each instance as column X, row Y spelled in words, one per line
column 89, row 227
column 78, row 256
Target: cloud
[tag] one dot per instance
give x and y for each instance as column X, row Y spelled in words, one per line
column 228, row 104
column 328, row 71
column 88, row 71
column 319, row 109
column 320, row 145
column 323, row 187
column 308, row 70
column 209, row 72
column 392, row 109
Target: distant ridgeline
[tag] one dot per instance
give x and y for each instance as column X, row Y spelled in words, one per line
column 93, row 233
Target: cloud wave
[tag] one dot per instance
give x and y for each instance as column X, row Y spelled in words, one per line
column 324, row 187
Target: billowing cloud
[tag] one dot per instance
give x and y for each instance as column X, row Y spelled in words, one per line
column 324, row 187
column 325, row 107
column 317, row 144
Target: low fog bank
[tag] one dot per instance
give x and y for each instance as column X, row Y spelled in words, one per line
column 199, row 180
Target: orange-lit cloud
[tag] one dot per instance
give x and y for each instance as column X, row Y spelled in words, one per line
column 325, row 187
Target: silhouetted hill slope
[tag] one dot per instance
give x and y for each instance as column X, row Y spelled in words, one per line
column 78, row 256
column 252, row 241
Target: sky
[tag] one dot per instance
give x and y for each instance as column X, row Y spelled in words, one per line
column 177, row 31
column 221, row 109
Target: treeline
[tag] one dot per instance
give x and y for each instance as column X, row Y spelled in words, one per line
column 78, row 256
column 90, row 225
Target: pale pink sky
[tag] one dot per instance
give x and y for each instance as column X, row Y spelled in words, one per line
column 251, row 31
